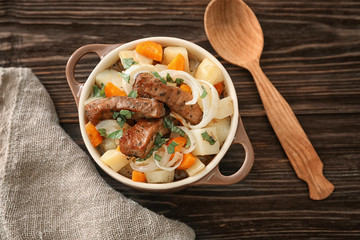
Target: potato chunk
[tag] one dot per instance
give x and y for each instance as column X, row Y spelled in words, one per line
column 222, row 128
column 171, row 52
column 114, row 159
column 134, row 55
column 109, row 76
column 160, row 176
column 208, row 71
column 225, row 108
column 110, row 125
column 195, row 168
column 203, row 147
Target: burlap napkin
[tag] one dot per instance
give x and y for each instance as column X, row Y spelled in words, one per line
column 49, row 187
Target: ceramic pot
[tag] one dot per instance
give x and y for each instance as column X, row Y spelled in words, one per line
column 211, row 174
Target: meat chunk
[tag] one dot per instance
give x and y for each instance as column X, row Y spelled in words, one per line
column 147, row 85
column 103, row 108
column 139, row 139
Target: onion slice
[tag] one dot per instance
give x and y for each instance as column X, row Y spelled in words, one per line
column 144, row 168
column 135, row 70
column 191, row 138
column 189, row 80
column 210, row 107
column 165, row 163
column 179, row 118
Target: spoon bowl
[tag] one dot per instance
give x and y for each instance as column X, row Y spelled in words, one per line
column 235, row 34
column 234, row 31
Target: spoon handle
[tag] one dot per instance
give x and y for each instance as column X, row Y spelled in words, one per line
column 292, row 137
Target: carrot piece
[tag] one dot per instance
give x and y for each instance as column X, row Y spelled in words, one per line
column 188, row 161
column 219, row 87
column 178, row 63
column 151, row 50
column 112, row 90
column 185, row 88
column 118, row 148
column 138, row 176
column 181, row 141
column 93, row 134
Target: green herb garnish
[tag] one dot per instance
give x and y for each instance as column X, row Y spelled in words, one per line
column 168, row 78
column 140, row 159
column 159, row 141
column 205, row 135
column 126, row 113
column 128, row 62
column 204, row 92
column 122, row 116
column 171, row 147
column 157, row 157
column 126, row 77
column 179, row 81
column 157, row 75
column 99, row 92
column 170, row 125
column 133, row 94
column 116, row 135
column 115, row 115
column 188, row 142
column 102, row 132
column 121, row 121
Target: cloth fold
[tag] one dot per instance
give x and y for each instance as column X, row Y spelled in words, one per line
column 49, row 188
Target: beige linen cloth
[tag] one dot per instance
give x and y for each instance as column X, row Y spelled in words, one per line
column 49, row 188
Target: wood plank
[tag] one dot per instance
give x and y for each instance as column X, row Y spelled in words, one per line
column 311, row 54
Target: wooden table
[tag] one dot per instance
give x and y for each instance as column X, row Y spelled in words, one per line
column 312, row 56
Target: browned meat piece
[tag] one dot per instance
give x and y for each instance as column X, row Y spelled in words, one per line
column 100, row 109
column 147, row 85
column 139, row 139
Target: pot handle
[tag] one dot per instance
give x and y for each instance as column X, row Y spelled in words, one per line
column 100, row 49
column 216, row 178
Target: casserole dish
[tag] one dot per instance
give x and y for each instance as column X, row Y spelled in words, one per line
column 210, row 175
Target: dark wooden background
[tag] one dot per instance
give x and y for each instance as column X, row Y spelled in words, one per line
column 312, row 56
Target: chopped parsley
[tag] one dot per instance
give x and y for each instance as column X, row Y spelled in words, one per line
column 157, row 75
column 188, row 142
column 128, row 62
column 115, row 115
column 141, row 159
column 126, row 77
column 170, row 125
column 102, row 132
column 159, row 141
column 116, row 135
column 126, row 113
column 203, row 95
column 171, row 147
column 205, row 135
column 122, row 116
column 133, row 94
column 168, row 78
column 157, row 157
column 121, row 121
column 179, row 81
column 99, row 92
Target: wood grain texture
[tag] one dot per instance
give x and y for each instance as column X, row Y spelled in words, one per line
column 311, row 55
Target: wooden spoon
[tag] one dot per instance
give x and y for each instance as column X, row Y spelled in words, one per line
column 235, row 33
